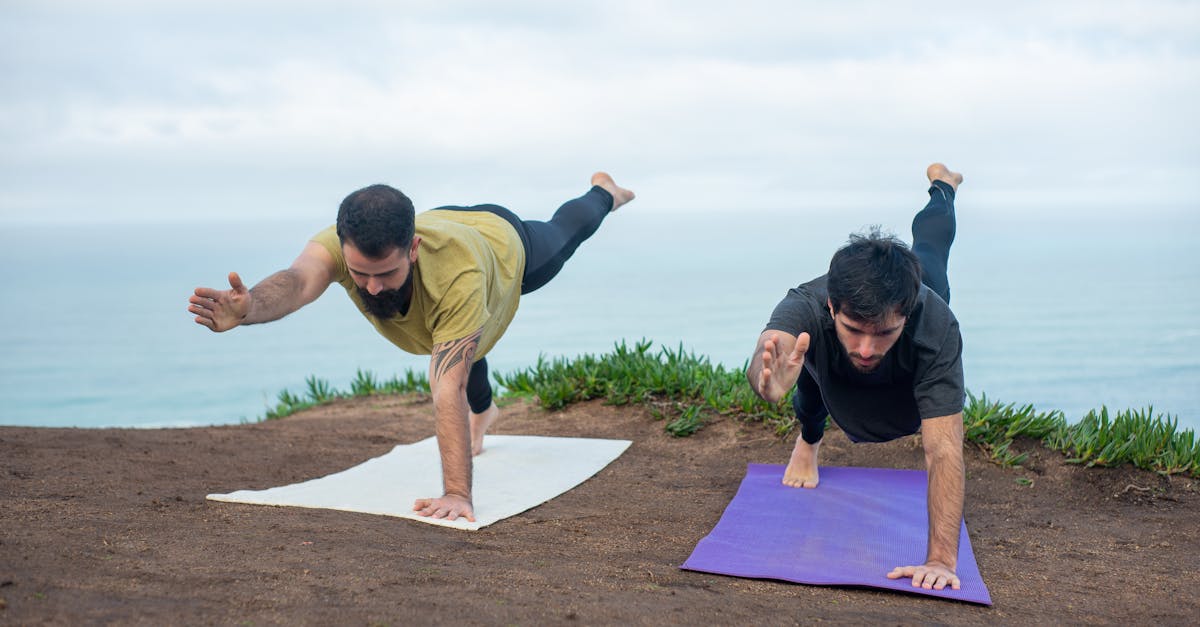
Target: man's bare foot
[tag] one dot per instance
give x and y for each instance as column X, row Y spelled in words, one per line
column 801, row 471
column 939, row 172
column 479, row 427
column 620, row 195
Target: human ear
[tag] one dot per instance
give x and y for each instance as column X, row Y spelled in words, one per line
column 412, row 251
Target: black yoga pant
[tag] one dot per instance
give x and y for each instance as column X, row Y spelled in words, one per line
column 548, row 245
column 933, row 233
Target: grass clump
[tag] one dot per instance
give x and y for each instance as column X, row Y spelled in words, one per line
column 319, row 391
column 678, row 385
column 1134, row 436
column 686, row 391
column 994, row 426
column 365, row 383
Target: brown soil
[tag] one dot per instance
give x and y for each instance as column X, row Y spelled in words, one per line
column 111, row 526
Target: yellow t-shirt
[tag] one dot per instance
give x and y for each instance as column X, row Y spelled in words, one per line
column 467, row 276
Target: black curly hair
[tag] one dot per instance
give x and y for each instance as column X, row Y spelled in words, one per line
column 375, row 220
column 874, row 275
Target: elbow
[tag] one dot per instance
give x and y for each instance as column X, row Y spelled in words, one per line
column 448, row 389
column 448, row 392
column 945, row 459
column 943, row 452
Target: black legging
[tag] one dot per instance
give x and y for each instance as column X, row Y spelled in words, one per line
column 548, row 245
column 933, row 233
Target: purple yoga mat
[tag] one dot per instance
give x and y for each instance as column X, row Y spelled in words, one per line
column 854, row 528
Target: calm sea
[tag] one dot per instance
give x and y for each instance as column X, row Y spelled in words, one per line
column 1062, row 312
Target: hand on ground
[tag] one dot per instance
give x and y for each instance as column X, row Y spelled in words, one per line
column 449, row 506
column 931, row 576
column 221, row 310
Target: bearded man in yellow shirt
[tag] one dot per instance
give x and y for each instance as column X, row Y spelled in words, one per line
column 443, row 283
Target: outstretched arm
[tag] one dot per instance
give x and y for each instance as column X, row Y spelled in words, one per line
column 943, row 441
column 449, row 367
column 776, row 364
column 273, row 298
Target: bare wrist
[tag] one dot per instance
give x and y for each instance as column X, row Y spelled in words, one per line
column 947, row 564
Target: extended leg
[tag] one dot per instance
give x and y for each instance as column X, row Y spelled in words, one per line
column 552, row 243
column 548, row 245
column 933, row 229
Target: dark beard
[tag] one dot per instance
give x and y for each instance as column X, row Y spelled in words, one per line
column 856, row 368
column 389, row 303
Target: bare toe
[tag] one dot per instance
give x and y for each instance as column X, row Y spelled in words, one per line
column 620, row 195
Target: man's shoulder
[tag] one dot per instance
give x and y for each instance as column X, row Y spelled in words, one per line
column 818, row 286
column 802, row 308
column 328, row 239
column 451, row 257
column 814, row 292
column 812, row 296
column 933, row 322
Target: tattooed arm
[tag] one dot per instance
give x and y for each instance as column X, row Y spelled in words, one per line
column 448, row 369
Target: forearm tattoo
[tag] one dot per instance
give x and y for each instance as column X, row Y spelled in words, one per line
column 449, row 354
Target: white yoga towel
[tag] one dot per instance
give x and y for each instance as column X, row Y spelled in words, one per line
column 514, row 473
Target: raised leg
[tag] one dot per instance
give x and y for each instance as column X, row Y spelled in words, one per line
column 552, row 243
column 933, row 229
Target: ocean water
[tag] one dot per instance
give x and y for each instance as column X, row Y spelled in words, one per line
column 1062, row 312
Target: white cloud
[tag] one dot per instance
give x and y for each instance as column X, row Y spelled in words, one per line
column 765, row 104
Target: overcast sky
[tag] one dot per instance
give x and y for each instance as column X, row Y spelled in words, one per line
column 179, row 111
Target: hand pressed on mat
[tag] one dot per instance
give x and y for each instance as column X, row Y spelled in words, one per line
column 448, row 370
column 931, row 576
column 449, row 506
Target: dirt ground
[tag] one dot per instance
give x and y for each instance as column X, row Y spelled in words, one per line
column 111, row 526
